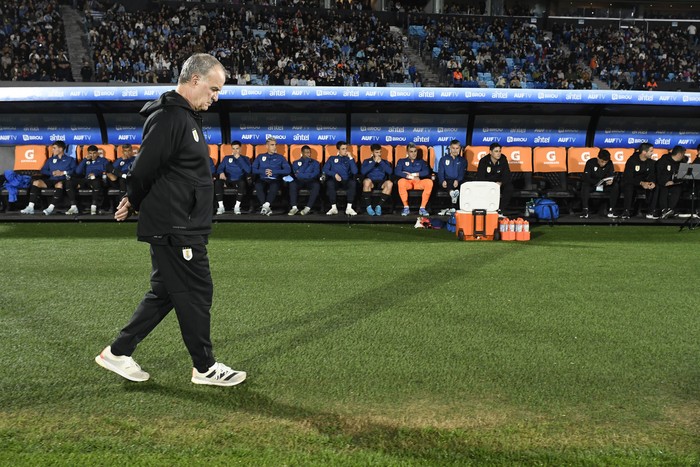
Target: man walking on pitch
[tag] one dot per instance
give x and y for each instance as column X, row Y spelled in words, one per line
column 170, row 185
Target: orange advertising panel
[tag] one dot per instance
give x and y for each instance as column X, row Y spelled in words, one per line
column 577, row 158
column 30, row 157
column 214, row 153
column 106, row 150
column 473, row 155
column 262, row 149
column 691, row 154
column 519, row 158
column 424, row 152
column 134, row 147
column 387, row 153
column 619, row 157
column 246, row 150
column 331, row 151
column 316, row 152
column 549, row 159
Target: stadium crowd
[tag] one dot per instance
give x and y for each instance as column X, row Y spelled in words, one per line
column 33, row 42
column 268, row 47
column 292, row 44
column 476, row 51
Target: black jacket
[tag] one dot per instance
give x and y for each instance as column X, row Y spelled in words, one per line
column 637, row 171
column 487, row 171
column 594, row 173
column 666, row 169
column 170, row 182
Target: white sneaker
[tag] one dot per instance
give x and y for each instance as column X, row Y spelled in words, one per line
column 305, row 211
column 48, row 211
column 27, row 210
column 72, row 210
column 454, row 194
column 332, row 212
column 93, row 210
column 122, row 365
column 218, row 375
column 220, row 210
column 350, row 211
column 237, row 211
column 293, row 211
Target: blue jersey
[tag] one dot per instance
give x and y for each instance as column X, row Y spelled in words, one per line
column 235, row 169
column 376, row 172
column 405, row 166
column 275, row 162
column 452, row 168
column 98, row 167
column 64, row 164
column 306, row 169
column 341, row 165
column 122, row 166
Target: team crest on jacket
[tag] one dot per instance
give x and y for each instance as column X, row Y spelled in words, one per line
column 637, row 168
column 488, row 169
column 447, row 162
column 195, row 135
column 187, row 253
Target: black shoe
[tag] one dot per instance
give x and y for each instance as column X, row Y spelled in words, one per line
column 584, row 214
column 626, row 214
column 652, row 215
column 611, row 214
column 666, row 213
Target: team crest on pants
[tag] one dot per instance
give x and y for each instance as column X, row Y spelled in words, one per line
column 195, row 135
column 187, row 253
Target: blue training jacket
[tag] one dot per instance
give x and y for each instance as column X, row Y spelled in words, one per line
column 341, row 165
column 122, row 165
column 376, row 172
column 235, row 169
column 417, row 166
column 64, row 164
column 452, row 168
column 97, row 167
column 306, row 168
column 275, row 162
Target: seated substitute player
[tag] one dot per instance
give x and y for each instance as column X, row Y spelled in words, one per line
column 639, row 177
column 597, row 169
column 91, row 172
column 121, row 168
column 54, row 174
column 232, row 172
column 269, row 167
column 414, row 174
column 669, row 188
column 376, row 172
column 340, row 172
column 452, row 170
column 306, row 172
column 494, row 168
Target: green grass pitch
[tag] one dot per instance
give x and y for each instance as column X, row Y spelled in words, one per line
column 364, row 345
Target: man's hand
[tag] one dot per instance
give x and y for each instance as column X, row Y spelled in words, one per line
column 222, row 176
column 123, row 210
column 444, row 184
column 338, row 177
column 57, row 173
